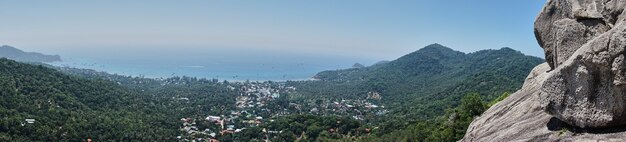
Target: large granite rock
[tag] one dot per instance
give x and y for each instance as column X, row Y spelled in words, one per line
column 580, row 93
column 563, row 26
column 520, row 117
column 584, row 43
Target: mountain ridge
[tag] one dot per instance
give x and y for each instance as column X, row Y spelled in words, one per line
column 19, row 55
column 422, row 76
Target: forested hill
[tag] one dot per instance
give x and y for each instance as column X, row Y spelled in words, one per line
column 423, row 83
column 67, row 108
column 19, row 55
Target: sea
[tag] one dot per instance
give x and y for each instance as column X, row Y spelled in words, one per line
column 221, row 65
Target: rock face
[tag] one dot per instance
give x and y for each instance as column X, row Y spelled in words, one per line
column 520, row 117
column 563, row 26
column 580, row 93
column 584, row 42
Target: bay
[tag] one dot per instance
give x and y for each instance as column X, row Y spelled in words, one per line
column 232, row 65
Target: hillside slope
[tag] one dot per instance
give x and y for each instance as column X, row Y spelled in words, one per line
column 67, row 108
column 420, row 85
column 19, row 55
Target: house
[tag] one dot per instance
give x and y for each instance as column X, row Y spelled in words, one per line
column 382, row 112
column 186, row 120
column 239, row 130
column 371, row 106
column 275, row 95
column 213, row 118
column 248, row 121
column 30, row 121
column 212, row 135
column 358, row 117
column 226, row 132
column 274, row 132
column 234, row 113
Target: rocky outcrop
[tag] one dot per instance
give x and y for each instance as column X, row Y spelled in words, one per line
column 563, row 26
column 584, row 42
column 580, row 93
column 520, row 117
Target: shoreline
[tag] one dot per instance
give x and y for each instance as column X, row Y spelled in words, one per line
column 160, row 77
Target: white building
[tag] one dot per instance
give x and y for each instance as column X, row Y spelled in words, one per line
column 213, row 118
column 30, row 121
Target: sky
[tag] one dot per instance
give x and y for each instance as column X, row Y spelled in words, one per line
column 360, row 29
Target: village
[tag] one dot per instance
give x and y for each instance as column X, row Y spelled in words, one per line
column 258, row 103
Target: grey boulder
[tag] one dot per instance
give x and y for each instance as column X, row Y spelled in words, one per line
column 584, row 43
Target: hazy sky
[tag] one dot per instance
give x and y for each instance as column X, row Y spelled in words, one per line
column 375, row 29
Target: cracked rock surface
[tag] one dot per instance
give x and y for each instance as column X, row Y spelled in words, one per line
column 584, row 43
column 579, row 94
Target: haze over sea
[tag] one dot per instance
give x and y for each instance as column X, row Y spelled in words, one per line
column 223, row 64
column 258, row 40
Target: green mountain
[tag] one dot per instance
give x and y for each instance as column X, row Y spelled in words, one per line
column 68, row 108
column 420, row 85
column 19, row 55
